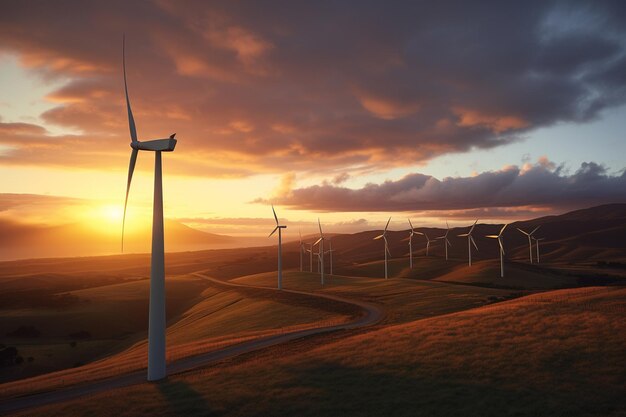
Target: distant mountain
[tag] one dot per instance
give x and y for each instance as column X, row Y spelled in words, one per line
column 590, row 235
column 19, row 241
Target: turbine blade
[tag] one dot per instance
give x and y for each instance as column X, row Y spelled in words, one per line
column 419, row 233
column 463, row 235
column 275, row 216
column 474, row 225
column 503, row 227
column 448, row 242
column 131, row 119
column 320, row 226
column 535, row 229
column 273, row 231
column 317, row 241
column 131, row 169
column 501, row 246
column 378, row 237
column 522, row 231
column 387, row 224
column 472, row 239
column 492, row 236
column 410, row 224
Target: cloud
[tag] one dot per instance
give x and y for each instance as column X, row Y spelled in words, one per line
column 252, row 87
column 543, row 184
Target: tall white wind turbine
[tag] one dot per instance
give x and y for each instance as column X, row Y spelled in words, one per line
column 470, row 241
column 411, row 233
column 156, row 321
column 384, row 237
column 537, row 245
column 499, row 237
column 321, row 250
column 446, row 241
column 530, row 243
column 279, row 227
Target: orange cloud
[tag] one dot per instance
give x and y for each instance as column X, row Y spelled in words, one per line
column 496, row 123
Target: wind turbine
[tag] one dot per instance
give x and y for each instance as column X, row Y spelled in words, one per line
column 499, row 237
column 321, row 250
column 330, row 253
column 446, row 242
column 384, row 237
column 428, row 240
column 156, row 320
column 537, row 244
column 470, row 241
column 302, row 249
column 411, row 233
column 310, row 250
column 530, row 243
column 280, row 248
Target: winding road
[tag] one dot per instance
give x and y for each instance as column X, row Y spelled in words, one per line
column 373, row 314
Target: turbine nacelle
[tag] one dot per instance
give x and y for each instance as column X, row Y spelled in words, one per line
column 156, row 145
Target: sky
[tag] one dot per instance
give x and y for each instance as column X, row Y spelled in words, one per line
column 348, row 111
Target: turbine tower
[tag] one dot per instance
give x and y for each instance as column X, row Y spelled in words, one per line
column 446, row 241
column 302, row 249
column 537, row 244
column 310, row 250
column 470, row 241
column 321, row 250
column 280, row 248
column 156, row 321
column 384, row 237
column 427, row 240
column 330, row 253
column 499, row 237
column 530, row 243
column 411, row 233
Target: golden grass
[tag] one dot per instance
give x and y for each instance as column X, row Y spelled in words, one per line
column 403, row 299
column 221, row 316
column 559, row 353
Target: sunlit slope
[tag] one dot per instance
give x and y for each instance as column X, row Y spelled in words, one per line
column 202, row 316
column 553, row 354
column 402, row 299
column 516, row 276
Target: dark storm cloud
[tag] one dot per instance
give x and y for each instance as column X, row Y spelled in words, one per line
column 252, row 86
column 542, row 185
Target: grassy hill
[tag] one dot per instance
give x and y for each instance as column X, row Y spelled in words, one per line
column 552, row 354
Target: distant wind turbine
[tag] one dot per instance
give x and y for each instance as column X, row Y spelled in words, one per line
column 470, row 241
column 384, row 237
column 537, row 244
column 310, row 250
column 411, row 233
column 330, row 253
column 530, row 243
column 321, row 250
column 280, row 248
column 156, row 320
column 446, row 241
column 428, row 240
column 302, row 249
column 499, row 237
